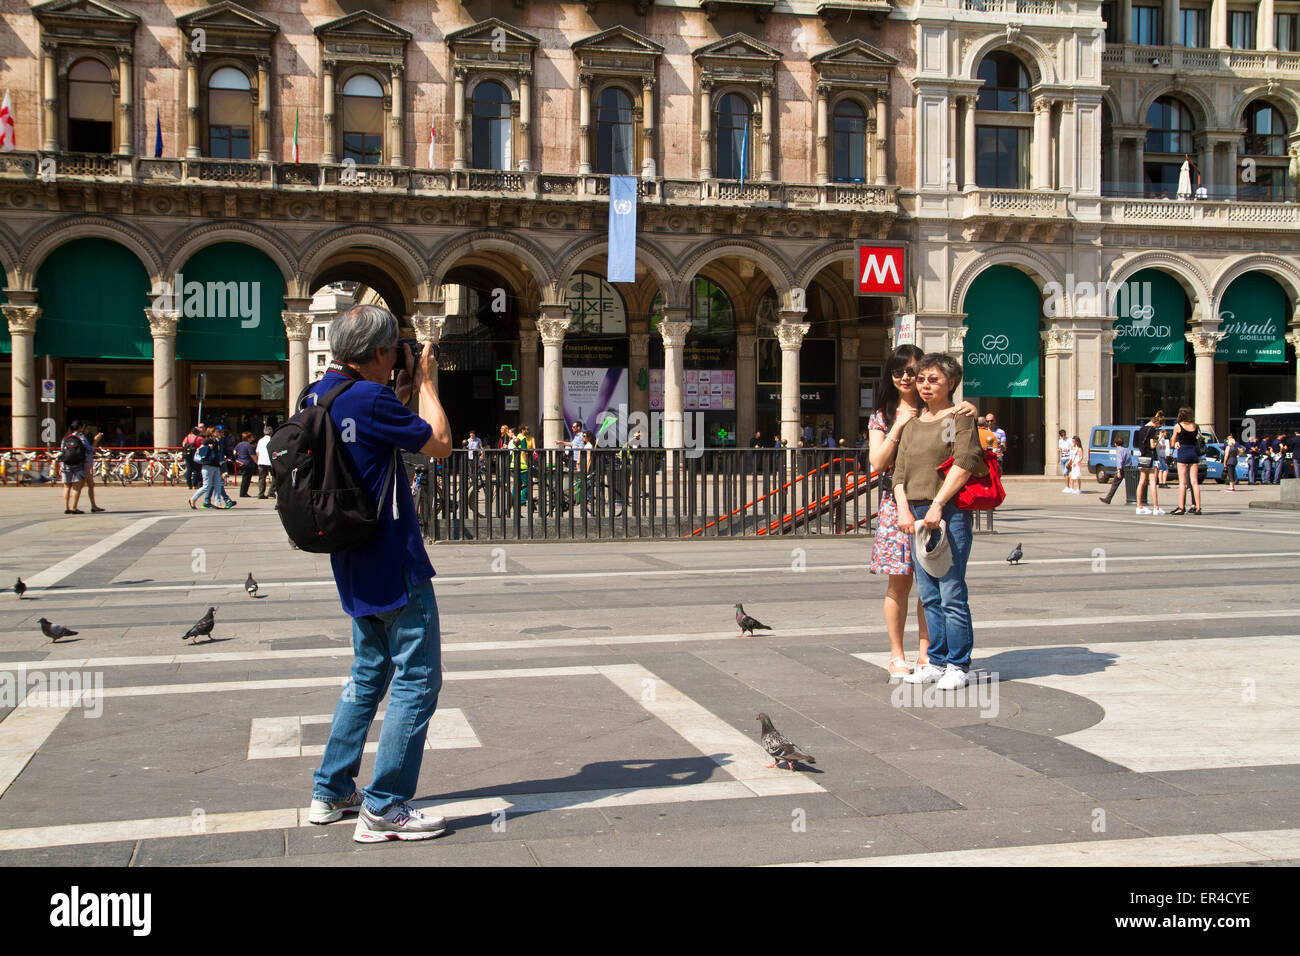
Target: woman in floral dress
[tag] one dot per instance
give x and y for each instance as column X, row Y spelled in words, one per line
column 891, row 552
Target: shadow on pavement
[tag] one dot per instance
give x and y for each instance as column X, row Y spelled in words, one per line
column 1045, row 661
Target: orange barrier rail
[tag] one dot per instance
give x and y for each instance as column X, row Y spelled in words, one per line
column 819, row 507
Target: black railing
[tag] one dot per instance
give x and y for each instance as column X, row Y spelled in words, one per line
column 645, row 493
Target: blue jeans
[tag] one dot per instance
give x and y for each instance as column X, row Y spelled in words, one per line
column 1266, row 470
column 212, row 485
column 403, row 647
column 944, row 600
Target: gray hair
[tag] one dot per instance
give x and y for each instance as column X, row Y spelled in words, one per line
column 358, row 331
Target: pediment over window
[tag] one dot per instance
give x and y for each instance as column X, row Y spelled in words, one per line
column 854, row 63
column 492, row 43
column 229, row 27
column 88, row 21
column 738, row 53
column 618, row 50
column 830, row 10
column 364, row 36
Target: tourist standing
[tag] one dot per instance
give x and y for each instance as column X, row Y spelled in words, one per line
column 1147, row 443
column 1063, row 448
column 1076, row 465
column 73, row 466
column 245, row 462
column 1230, row 452
column 1187, row 455
column 264, row 463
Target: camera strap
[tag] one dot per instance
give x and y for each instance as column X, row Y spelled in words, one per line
column 346, row 370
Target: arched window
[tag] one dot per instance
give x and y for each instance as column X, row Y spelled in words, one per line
column 492, row 127
column 614, row 132
column 230, row 114
column 1265, row 131
column 90, row 107
column 1265, row 176
column 1006, row 84
column 734, row 138
column 1168, row 143
column 363, row 120
column 710, row 309
column 850, row 146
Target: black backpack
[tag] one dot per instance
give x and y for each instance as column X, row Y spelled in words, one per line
column 73, row 452
column 319, row 496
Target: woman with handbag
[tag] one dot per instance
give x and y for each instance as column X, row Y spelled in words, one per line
column 1147, row 443
column 891, row 550
column 927, row 508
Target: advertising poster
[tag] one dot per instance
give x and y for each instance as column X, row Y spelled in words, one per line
column 702, row 390
column 590, row 395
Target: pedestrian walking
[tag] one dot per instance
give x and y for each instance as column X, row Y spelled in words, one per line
column 891, row 549
column 1187, row 455
column 189, row 445
column 1230, row 453
column 245, row 462
column 90, row 444
column 264, row 464
column 1147, row 444
column 208, row 457
column 1124, row 459
column 73, row 466
column 926, row 504
column 385, row 586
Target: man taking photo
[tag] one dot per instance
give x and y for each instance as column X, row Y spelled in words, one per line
column 385, row 585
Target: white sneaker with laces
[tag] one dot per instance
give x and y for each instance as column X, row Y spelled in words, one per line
column 1144, row 511
column 1159, row 511
column 953, row 678
column 327, row 811
column 924, row 674
column 401, row 822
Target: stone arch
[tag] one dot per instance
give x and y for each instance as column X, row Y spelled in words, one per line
column 1037, row 58
column 1279, row 96
column 812, row 264
column 57, row 233
column 527, row 252
column 9, row 254
column 399, row 258
column 1280, row 268
column 778, row 273
column 647, row 254
column 1030, row 261
column 1188, row 274
column 263, row 240
column 1204, row 114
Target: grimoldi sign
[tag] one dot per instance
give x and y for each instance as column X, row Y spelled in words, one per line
column 882, row 270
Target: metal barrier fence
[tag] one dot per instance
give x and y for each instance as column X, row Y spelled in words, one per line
column 553, row 494
column 42, row 466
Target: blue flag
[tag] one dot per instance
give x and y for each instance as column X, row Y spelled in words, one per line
column 157, row 136
column 621, row 265
column 744, row 152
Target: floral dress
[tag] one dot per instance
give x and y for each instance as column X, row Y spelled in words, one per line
column 891, row 552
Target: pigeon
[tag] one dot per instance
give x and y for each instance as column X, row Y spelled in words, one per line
column 19, row 588
column 250, row 585
column 1015, row 555
column 747, row 623
column 55, row 631
column 782, row 750
column 202, row 628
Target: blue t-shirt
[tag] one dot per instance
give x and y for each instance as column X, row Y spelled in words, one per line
column 372, row 579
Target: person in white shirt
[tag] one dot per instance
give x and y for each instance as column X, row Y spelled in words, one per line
column 1063, row 448
column 264, row 463
column 1076, row 465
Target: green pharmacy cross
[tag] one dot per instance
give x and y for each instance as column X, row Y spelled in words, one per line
column 507, row 375
column 722, row 434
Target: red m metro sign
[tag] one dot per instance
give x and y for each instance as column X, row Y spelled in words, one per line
column 881, row 270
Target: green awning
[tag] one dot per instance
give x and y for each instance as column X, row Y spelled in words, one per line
column 92, row 294
column 5, row 347
column 1253, row 313
column 230, row 306
column 1001, row 346
column 1152, row 312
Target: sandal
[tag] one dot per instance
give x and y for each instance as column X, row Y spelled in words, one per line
column 1179, row 511
column 193, row 505
column 97, row 509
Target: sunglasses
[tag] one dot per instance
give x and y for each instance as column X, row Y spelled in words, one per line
column 931, row 380
column 899, row 373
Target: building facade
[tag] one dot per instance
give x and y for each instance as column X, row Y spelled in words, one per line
column 188, row 177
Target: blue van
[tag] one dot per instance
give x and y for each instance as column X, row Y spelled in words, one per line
column 1103, row 457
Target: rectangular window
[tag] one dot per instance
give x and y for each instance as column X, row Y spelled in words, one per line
column 1285, row 27
column 1110, row 13
column 1194, row 30
column 1241, row 29
column 1146, row 26
column 1002, row 157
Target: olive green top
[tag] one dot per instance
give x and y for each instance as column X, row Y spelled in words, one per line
column 921, row 449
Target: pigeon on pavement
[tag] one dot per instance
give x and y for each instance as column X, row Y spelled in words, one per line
column 250, row 585
column 55, row 631
column 19, row 588
column 747, row 623
column 203, row 628
column 775, row 743
column 1015, row 555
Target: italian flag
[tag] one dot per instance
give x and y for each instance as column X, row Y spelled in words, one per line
column 7, row 125
column 433, row 135
column 295, row 136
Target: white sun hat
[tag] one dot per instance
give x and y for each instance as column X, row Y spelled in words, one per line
column 936, row 559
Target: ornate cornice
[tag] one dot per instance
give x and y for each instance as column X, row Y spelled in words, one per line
column 790, row 334
column 674, row 333
column 297, row 325
column 552, row 330
column 1205, row 342
column 162, row 322
column 22, row 318
column 428, row 327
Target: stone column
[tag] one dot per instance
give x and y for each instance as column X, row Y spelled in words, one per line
column 638, row 358
column 327, row 85
column 1266, row 35
column 1170, row 14
column 673, row 328
column 263, row 109
column 1051, row 397
column 297, row 327
column 525, row 120
column 950, row 167
column 969, row 175
column 428, row 328
column 823, row 138
column 1205, row 340
column 1125, row 31
column 458, row 120
column 769, row 137
column 162, row 328
column 1219, row 25
column 1139, row 160
column 397, row 127
column 746, row 384
column 584, row 124
column 49, row 97
column 1041, row 146
column 125, row 143
column 882, row 136
column 528, row 411
column 552, row 324
column 1066, row 151
column 191, row 105
column 22, row 335
column 790, row 333
column 1293, row 337
column 647, row 128
column 956, row 348
column 849, row 390
column 706, row 129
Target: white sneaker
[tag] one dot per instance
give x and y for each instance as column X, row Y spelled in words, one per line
column 1159, row 511
column 924, row 674
column 1145, row 511
column 953, row 678
column 1066, row 491
column 326, row 811
column 401, row 822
